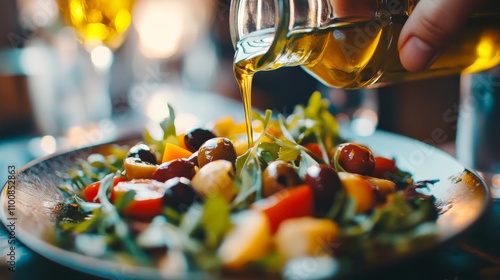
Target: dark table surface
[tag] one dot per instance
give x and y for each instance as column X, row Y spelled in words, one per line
column 474, row 255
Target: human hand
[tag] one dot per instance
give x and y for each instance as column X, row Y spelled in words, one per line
column 430, row 29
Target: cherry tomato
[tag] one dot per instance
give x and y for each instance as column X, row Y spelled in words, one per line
column 383, row 167
column 90, row 192
column 354, row 158
column 147, row 202
column 315, row 149
column 286, row 204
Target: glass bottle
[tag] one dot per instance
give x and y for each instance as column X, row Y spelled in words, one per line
column 350, row 44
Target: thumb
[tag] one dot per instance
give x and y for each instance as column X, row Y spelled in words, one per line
column 430, row 29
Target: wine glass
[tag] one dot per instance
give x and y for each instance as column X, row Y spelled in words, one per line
column 100, row 26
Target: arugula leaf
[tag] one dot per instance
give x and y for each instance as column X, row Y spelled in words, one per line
column 306, row 161
column 269, row 151
column 290, row 150
column 285, row 130
column 173, row 216
column 336, row 163
column 249, row 170
column 84, row 206
column 123, row 201
column 191, row 220
column 86, row 225
column 314, row 123
column 169, row 133
column 92, row 170
column 289, row 154
column 249, row 179
column 168, row 124
column 215, row 220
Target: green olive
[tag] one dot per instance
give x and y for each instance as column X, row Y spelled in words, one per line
column 215, row 149
column 277, row 176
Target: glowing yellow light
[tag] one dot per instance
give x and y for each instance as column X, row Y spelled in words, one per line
column 122, row 21
column 48, row 144
column 488, row 53
column 94, row 16
column 97, row 31
column 77, row 12
column 485, row 47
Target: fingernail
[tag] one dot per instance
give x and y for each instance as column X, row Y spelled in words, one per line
column 417, row 55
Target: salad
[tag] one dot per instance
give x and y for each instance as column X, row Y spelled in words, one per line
column 205, row 200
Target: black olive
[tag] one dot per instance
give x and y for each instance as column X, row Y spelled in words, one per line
column 325, row 183
column 175, row 168
column 179, row 194
column 143, row 152
column 277, row 176
column 196, row 137
column 215, row 149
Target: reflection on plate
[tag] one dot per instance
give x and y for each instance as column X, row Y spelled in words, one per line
column 461, row 195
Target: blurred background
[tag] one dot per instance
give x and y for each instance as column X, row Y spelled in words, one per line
column 56, row 93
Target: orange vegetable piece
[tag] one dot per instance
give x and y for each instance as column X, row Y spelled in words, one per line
column 172, row 152
column 223, row 126
column 359, row 189
column 180, row 138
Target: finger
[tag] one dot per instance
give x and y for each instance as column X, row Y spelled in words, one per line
column 430, row 29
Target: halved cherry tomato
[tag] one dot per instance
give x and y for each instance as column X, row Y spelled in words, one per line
column 383, row 167
column 148, row 199
column 90, row 192
column 286, row 204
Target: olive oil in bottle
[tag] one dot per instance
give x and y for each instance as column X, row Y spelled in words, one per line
column 361, row 52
